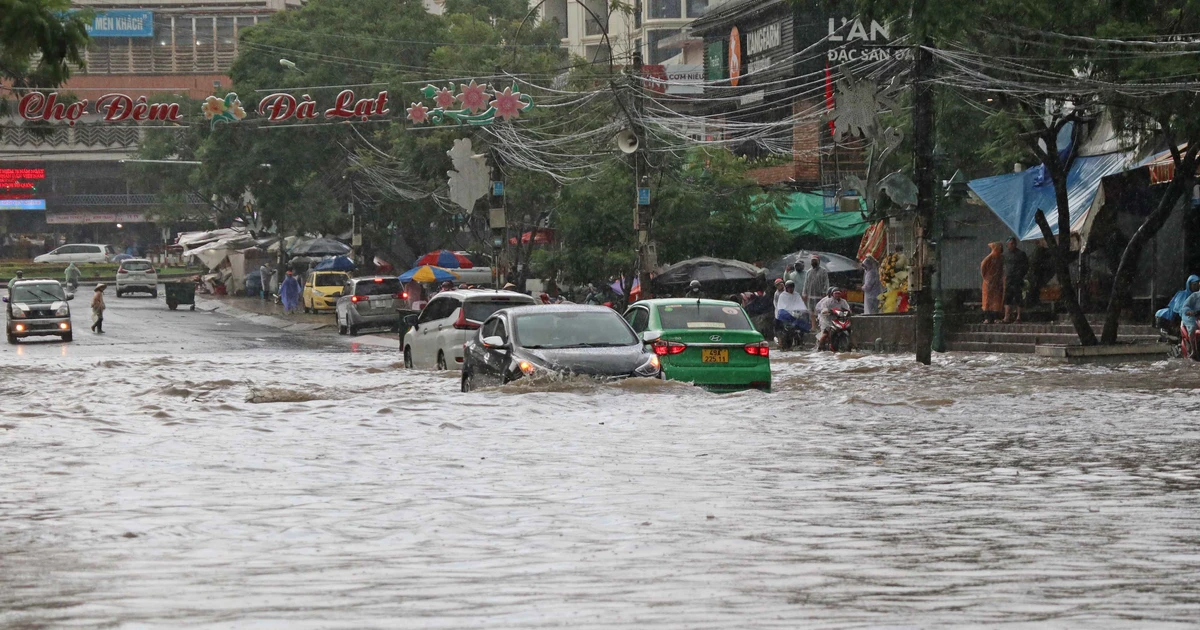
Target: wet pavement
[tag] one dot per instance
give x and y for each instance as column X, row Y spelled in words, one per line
column 197, row 469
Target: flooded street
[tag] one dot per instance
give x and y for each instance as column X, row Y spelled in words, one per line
column 293, row 482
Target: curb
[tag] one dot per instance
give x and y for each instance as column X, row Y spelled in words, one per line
column 215, row 306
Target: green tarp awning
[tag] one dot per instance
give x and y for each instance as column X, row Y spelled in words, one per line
column 805, row 215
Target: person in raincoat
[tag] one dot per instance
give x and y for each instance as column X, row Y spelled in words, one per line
column 872, row 287
column 816, row 286
column 1170, row 316
column 289, row 293
column 1188, row 311
column 992, row 269
column 72, row 275
column 98, row 309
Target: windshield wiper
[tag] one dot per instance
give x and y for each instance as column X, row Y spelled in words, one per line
column 598, row 345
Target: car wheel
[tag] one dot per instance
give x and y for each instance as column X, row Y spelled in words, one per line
column 68, row 337
column 12, row 338
column 441, row 361
column 172, row 305
column 352, row 329
column 408, row 362
column 120, row 293
column 341, row 329
column 468, row 383
column 154, row 294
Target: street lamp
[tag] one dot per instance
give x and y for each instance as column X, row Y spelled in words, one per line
column 290, row 65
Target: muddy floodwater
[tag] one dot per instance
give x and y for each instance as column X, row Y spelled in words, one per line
column 303, row 488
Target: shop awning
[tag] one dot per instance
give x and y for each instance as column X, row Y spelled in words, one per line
column 805, row 215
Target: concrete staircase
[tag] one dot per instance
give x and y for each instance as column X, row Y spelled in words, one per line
column 1024, row 338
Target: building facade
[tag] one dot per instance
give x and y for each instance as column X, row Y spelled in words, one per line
column 75, row 185
column 656, row 28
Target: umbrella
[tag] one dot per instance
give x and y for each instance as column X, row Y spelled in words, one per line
column 428, row 273
column 446, row 259
column 707, row 270
column 318, row 247
column 833, row 263
column 335, row 263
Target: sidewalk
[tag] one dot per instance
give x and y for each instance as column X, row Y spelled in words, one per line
column 268, row 313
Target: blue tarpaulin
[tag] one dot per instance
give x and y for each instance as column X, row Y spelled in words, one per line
column 1015, row 198
column 336, row 263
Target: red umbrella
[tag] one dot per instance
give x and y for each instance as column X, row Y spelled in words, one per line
column 445, row 259
column 544, row 236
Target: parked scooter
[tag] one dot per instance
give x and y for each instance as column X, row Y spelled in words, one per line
column 791, row 331
column 837, row 338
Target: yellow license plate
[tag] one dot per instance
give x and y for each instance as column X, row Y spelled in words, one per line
column 714, row 356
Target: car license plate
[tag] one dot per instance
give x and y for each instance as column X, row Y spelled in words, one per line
column 714, row 356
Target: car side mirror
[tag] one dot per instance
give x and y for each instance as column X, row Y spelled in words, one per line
column 650, row 336
column 6, row 299
column 410, row 320
column 493, row 343
column 70, row 296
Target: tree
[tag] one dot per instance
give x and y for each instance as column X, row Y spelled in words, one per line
column 40, row 40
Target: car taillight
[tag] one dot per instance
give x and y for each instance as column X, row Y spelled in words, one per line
column 122, row 270
column 663, row 348
column 356, row 298
column 151, row 270
column 462, row 323
column 760, row 349
column 403, row 295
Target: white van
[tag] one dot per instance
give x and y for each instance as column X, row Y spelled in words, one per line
column 78, row 253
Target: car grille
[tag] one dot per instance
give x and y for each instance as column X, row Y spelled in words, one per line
column 40, row 312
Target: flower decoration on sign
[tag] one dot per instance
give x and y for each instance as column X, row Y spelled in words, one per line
column 474, row 97
column 418, row 113
column 228, row 109
column 445, row 97
column 507, row 104
column 478, row 104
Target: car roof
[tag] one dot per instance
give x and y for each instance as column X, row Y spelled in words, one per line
column 684, row 302
column 467, row 294
column 372, row 278
column 145, row 260
column 560, row 308
column 32, row 281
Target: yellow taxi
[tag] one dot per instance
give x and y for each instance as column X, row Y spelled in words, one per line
column 322, row 289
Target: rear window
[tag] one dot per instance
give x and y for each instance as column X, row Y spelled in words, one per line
column 329, row 280
column 135, row 265
column 704, row 317
column 379, row 286
column 479, row 310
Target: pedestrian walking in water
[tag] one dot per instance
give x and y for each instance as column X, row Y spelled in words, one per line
column 992, row 270
column 816, row 286
column 289, row 293
column 98, row 309
column 264, row 273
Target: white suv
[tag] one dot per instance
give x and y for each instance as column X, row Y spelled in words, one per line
column 435, row 338
column 137, row 275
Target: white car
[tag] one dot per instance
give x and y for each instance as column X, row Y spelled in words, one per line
column 435, row 338
column 78, row 253
column 137, row 275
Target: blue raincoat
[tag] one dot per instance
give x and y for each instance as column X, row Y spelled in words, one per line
column 1176, row 304
column 289, row 293
column 1190, row 305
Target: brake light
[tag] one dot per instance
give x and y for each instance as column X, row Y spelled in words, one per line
column 663, row 348
column 760, row 349
column 402, row 295
column 356, row 298
column 151, row 270
column 462, row 323
column 122, row 270
column 379, row 280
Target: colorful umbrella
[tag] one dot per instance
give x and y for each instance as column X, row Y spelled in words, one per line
column 428, row 273
column 446, row 259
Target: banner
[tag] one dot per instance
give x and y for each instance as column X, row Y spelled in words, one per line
column 83, row 218
column 122, row 23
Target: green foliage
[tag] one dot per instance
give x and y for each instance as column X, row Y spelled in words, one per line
column 39, row 40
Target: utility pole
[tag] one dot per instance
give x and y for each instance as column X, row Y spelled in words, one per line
column 923, row 141
column 644, row 209
column 497, row 220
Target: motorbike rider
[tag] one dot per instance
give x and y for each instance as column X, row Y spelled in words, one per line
column 1169, row 317
column 72, row 276
column 1190, row 307
column 790, row 309
column 835, row 300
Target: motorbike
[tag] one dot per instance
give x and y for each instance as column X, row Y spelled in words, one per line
column 791, row 332
column 1189, row 345
column 1169, row 332
column 837, row 338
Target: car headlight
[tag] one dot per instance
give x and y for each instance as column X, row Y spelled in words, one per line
column 18, row 312
column 317, row 293
column 62, row 311
column 526, row 368
column 650, row 368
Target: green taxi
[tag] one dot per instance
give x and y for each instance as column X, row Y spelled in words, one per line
column 710, row 343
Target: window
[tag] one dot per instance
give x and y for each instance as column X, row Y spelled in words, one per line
column 637, row 15
column 704, row 317
column 489, row 328
column 697, row 8
column 479, row 310
column 37, row 293
column 581, row 329
column 641, row 319
column 135, row 265
column 657, row 55
column 665, row 9
column 378, row 286
column 328, row 280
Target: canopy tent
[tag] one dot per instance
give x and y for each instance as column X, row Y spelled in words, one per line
column 805, row 215
column 1015, row 198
